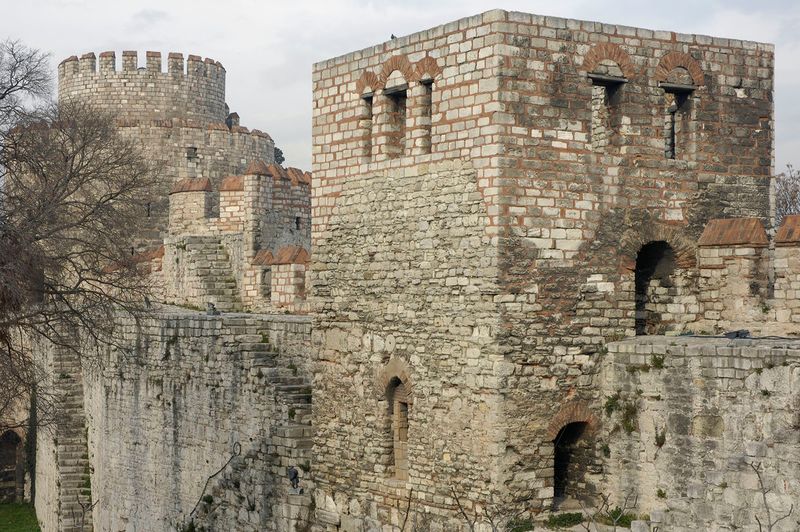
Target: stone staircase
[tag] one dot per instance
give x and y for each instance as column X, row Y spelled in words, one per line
column 211, row 266
column 72, row 459
column 289, row 444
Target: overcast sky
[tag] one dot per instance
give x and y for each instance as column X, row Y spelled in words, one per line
column 268, row 47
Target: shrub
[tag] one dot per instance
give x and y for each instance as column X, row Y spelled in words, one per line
column 563, row 520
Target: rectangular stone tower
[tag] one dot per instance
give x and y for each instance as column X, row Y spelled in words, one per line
column 486, row 196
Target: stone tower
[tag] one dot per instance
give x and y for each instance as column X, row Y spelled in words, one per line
column 178, row 114
column 492, row 202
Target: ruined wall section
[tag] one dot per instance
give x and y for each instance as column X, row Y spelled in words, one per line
column 685, row 420
column 169, row 409
column 404, row 276
column 191, row 90
column 574, row 214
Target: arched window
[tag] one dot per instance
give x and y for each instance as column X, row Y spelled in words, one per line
column 396, row 94
column 678, row 90
column 655, row 287
column 397, row 396
column 607, row 82
column 11, row 467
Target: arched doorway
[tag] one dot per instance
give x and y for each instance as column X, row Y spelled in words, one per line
column 655, row 287
column 11, row 467
column 571, row 459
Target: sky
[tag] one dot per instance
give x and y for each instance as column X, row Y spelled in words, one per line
column 268, row 47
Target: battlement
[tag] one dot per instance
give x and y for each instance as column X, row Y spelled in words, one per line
column 253, row 253
column 193, row 66
column 156, row 89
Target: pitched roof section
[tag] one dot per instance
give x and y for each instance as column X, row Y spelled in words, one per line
column 258, row 167
column 285, row 255
column 263, row 258
column 734, row 232
column 789, row 231
column 292, row 255
column 232, row 183
column 190, row 184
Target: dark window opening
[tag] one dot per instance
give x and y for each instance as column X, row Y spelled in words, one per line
column 655, row 265
column 148, row 207
column 570, row 462
column 366, row 125
column 396, row 121
column 606, row 94
column 398, row 414
column 191, row 152
column 426, row 113
column 266, row 283
column 675, row 123
column 12, row 473
column 297, row 222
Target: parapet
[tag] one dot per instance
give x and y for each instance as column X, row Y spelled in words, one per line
column 194, row 88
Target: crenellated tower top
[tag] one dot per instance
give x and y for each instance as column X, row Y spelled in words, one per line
column 190, row 89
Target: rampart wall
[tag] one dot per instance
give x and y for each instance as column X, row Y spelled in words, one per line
column 184, row 394
column 686, row 421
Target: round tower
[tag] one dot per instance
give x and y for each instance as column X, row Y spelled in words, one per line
column 192, row 89
column 177, row 114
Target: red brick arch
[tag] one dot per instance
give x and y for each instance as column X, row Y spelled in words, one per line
column 427, row 66
column 397, row 368
column 397, row 62
column 685, row 249
column 612, row 52
column 368, row 80
column 573, row 412
column 674, row 60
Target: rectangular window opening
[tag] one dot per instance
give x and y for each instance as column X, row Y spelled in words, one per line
column 266, row 283
column 396, row 123
column 366, row 125
column 426, row 113
column 297, row 222
column 675, row 123
column 605, row 98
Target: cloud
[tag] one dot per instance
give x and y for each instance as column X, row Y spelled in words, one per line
column 268, row 47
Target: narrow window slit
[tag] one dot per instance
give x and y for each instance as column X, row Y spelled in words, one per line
column 396, row 121
column 366, row 125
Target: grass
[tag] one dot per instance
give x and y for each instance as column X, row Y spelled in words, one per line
column 18, row 518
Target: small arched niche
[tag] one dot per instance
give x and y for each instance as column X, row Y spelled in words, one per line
column 656, row 287
column 572, row 457
column 607, row 79
column 397, row 396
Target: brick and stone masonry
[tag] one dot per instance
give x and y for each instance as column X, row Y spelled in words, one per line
column 509, row 212
column 483, row 192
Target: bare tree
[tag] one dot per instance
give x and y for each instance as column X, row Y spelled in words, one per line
column 71, row 193
column 787, row 194
column 770, row 522
column 500, row 517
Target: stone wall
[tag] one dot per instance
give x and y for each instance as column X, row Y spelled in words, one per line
column 186, row 393
column 178, row 149
column 63, row 485
column 571, row 212
column 685, row 418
